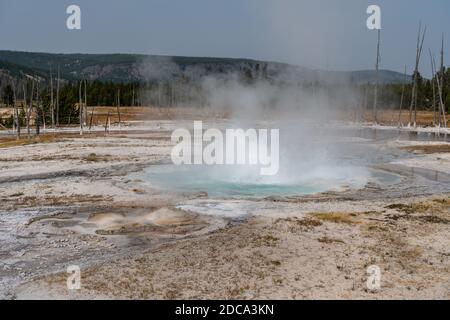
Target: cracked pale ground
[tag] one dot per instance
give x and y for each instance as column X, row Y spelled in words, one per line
column 69, row 201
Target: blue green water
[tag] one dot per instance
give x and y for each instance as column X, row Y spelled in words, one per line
column 226, row 182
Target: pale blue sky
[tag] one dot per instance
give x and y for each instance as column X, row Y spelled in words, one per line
column 314, row 33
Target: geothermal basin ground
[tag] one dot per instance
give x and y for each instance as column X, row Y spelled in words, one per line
column 139, row 227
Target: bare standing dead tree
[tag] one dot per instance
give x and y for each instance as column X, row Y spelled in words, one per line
column 57, row 98
column 52, row 104
column 366, row 100
column 159, row 95
column 441, row 72
column 30, row 108
column 433, row 75
column 16, row 111
column 439, row 81
column 85, row 104
column 80, row 108
column 439, row 85
column 377, row 66
column 92, row 116
column 362, row 103
column 419, row 47
column 24, row 87
column 37, row 118
column 118, row 107
column 400, row 124
column 108, row 123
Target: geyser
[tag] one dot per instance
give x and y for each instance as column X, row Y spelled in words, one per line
column 314, row 155
column 307, row 166
column 236, row 147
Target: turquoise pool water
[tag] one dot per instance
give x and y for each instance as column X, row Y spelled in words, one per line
column 226, row 182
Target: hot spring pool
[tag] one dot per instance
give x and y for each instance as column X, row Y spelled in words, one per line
column 309, row 164
column 234, row 182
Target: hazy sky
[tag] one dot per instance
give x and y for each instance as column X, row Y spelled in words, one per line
column 326, row 34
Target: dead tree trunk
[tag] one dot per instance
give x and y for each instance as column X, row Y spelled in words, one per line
column 366, row 101
column 442, row 84
column 85, row 104
column 80, row 108
column 37, row 119
column 16, row 112
column 30, row 107
column 92, row 116
column 14, row 123
column 413, row 105
column 57, row 99
column 159, row 95
column 433, row 75
column 118, row 107
column 400, row 124
column 363, row 103
column 438, row 81
column 107, row 123
column 52, row 104
column 377, row 65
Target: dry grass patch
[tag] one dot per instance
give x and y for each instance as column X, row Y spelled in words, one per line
column 445, row 202
column 14, row 143
column 335, row 217
column 23, row 141
column 433, row 211
column 296, row 225
column 410, row 208
column 308, row 222
column 329, row 240
column 305, row 222
column 20, row 201
column 435, row 206
column 267, row 240
column 428, row 149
